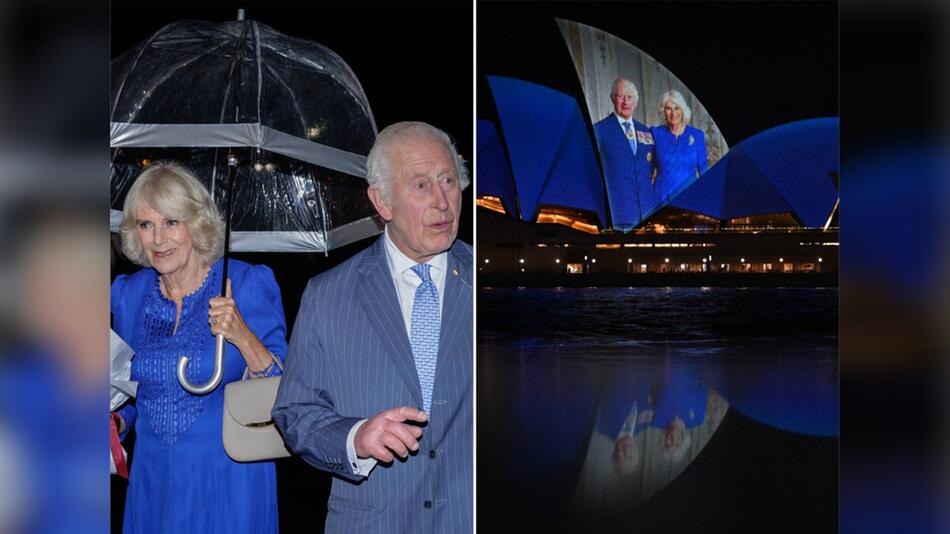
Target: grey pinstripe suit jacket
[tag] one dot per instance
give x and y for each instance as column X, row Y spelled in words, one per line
column 349, row 359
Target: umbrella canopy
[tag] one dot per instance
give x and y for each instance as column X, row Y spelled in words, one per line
column 291, row 110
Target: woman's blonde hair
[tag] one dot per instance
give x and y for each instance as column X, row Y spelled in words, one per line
column 676, row 97
column 173, row 191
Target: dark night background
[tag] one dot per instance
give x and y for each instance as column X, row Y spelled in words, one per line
column 414, row 61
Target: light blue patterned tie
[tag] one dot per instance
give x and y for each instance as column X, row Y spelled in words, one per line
column 424, row 336
column 631, row 136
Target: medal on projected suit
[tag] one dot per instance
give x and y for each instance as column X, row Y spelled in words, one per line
column 649, row 156
column 630, row 134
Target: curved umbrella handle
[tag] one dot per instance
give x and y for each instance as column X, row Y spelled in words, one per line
column 216, row 376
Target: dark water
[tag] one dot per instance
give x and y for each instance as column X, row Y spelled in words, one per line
column 613, row 322
column 759, row 366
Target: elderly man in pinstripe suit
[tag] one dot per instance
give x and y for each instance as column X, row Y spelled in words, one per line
column 378, row 382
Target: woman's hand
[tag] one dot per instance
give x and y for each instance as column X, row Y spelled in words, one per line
column 225, row 318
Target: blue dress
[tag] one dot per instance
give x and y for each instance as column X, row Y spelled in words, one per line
column 679, row 160
column 181, row 479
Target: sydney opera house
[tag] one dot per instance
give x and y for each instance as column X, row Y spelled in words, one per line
column 767, row 206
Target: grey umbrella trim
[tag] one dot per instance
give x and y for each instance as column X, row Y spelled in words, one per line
column 354, row 231
column 124, row 134
column 291, row 241
column 305, row 241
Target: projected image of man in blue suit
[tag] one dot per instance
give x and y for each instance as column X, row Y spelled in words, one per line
column 627, row 154
column 378, row 383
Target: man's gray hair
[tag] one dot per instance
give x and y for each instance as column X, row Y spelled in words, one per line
column 613, row 89
column 173, row 191
column 379, row 170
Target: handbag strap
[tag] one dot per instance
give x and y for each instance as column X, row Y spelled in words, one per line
column 247, row 370
column 115, row 446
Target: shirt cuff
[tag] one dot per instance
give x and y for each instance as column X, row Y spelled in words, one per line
column 359, row 466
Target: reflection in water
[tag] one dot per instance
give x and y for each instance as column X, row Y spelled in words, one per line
column 651, row 424
column 603, row 408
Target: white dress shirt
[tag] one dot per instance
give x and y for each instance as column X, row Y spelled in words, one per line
column 406, row 282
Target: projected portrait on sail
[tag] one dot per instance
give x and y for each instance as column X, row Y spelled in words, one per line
column 654, row 137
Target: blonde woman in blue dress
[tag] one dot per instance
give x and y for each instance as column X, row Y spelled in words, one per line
column 680, row 148
column 181, row 479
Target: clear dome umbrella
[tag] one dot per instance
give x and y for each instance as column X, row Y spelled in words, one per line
column 276, row 127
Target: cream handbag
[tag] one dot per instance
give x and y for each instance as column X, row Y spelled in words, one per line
column 248, row 432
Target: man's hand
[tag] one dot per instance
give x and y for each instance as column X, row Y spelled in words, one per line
column 386, row 433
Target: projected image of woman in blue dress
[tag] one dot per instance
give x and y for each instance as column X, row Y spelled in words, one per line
column 680, row 148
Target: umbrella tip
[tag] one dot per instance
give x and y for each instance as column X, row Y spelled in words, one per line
column 240, row 14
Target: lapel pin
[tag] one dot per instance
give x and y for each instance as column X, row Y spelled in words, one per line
column 455, row 272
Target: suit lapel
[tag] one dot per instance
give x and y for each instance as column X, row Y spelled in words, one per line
column 454, row 360
column 456, row 312
column 378, row 297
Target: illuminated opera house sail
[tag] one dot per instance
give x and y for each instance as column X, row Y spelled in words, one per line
column 676, row 199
